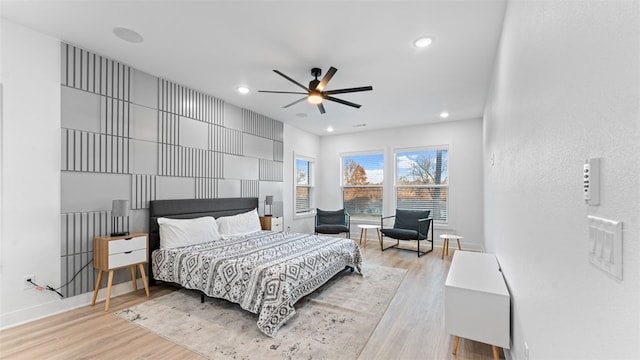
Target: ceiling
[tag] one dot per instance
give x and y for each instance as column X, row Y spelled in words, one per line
column 215, row 46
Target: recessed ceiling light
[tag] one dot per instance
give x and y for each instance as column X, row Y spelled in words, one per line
column 128, row 35
column 423, row 42
column 330, row 129
column 359, row 125
column 444, row 114
column 301, row 115
column 243, row 89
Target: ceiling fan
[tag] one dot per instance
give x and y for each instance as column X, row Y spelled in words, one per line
column 315, row 93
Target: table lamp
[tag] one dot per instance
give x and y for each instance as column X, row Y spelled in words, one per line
column 119, row 209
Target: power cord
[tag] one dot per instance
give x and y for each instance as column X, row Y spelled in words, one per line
column 41, row 288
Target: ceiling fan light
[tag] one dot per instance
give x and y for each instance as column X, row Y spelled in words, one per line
column 315, row 99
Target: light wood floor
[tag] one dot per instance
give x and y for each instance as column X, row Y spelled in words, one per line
column 412, row 327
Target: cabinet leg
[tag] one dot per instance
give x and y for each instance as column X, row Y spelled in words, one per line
column 133, row 277
column 454, row 349
column 144, row 279
column 95, row 292
column 109, row 282
column 496, row 352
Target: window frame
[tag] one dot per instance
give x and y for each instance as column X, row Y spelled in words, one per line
column 447, row 186
column 311, row 186
column 381, row 186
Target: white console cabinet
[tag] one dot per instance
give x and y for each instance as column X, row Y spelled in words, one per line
column 477, row 302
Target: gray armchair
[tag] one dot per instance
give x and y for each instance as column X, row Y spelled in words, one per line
column 409, row 225
column 333, row 222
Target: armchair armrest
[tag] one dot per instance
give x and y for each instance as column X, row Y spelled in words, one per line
column 383, row 218
column 429, row 226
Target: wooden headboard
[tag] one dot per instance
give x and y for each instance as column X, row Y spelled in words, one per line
column 189, row 209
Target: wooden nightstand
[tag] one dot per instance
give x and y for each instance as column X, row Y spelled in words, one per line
column 273, row 223
column 112, row 253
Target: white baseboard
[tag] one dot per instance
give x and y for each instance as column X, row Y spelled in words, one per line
column 58, row 306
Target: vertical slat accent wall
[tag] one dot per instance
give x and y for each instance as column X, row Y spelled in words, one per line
column 126, row 134
column 206, row 188
column 249, row 188
column 78, row 231
column 143, row 190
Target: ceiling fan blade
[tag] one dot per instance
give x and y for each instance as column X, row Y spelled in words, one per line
column 349, row 90
column 321, row 108
column 290, row 79
column 343, row 102
column 295, row 102
column 282, row 92
column 326, row 78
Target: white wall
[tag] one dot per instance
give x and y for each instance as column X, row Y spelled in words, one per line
column 306, row 144
column 30, row 167
column 565, row 88
column 465, row 169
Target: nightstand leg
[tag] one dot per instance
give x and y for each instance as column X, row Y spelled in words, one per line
column 133, row 277
column 496, row 352
column 109, row 282
column 144, row 279
column 95, row 292
column 454, row 350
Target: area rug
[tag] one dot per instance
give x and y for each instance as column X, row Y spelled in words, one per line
column 334, row 322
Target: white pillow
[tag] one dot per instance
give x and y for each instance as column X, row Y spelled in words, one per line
column 185, row 232
column 238, row 225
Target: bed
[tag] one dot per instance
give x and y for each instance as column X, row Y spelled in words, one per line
column 264, row 272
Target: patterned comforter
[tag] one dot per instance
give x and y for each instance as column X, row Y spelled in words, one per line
column 265, row 272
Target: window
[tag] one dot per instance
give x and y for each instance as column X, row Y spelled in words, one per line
column 422, row 181
column 304, row 185
column 362, row 177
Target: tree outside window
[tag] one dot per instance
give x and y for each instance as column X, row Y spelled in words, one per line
column 422, row 181
column 362, row 184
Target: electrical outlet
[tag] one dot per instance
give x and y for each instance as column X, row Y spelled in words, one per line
column 26, row 283
column 526, row 351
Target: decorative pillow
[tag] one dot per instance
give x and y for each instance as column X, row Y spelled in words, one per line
column 238, row 225
column 185, row 232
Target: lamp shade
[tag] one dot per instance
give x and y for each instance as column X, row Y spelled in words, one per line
column 120, row 208
column 268, row 200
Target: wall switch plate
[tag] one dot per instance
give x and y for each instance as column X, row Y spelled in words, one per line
column 605, row 245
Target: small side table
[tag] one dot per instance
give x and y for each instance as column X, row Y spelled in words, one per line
column 115, row 252
column 445, row 244
column 363, row 233
column 272, row 223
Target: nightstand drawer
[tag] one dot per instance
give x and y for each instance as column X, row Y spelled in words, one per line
column 272, row 223
column 127, row 258
column 124, row 245
column 276, row 226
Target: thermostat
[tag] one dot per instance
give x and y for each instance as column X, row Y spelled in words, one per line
column 591, row 181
